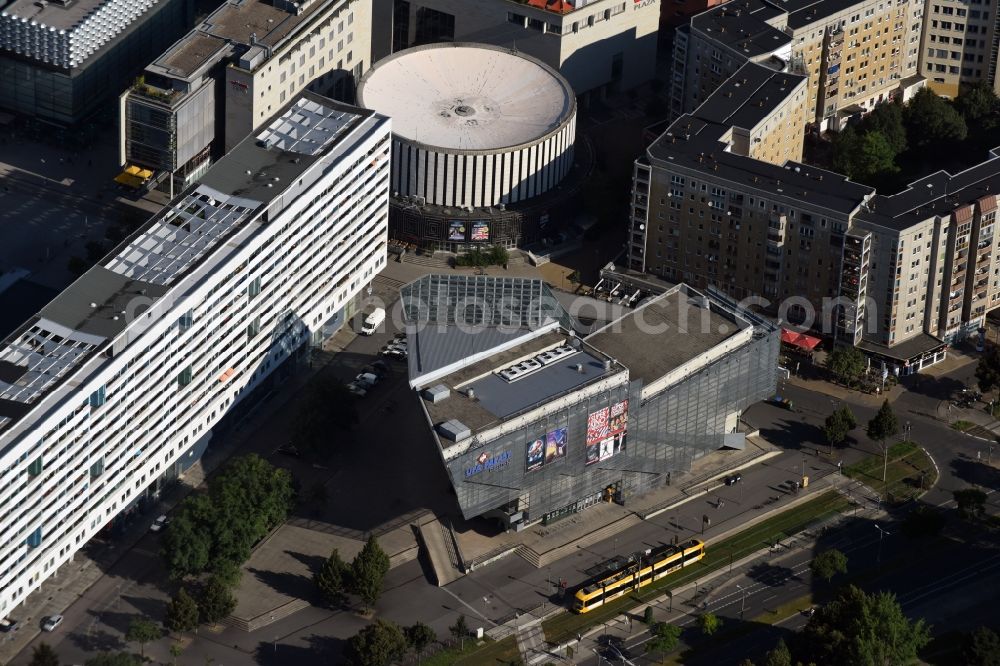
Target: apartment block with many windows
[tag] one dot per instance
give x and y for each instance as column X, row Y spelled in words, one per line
column 229, row 75
column 855, row 53
column 959, row 45
column 116, row 385
column 899, row 275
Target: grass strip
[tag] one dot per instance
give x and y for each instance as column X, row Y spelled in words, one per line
column 491, row 652
column 907, row 463
column 566, row 626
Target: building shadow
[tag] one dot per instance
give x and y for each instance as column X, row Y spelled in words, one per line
column 976, row 471
column 320, row 651
column 97, row 641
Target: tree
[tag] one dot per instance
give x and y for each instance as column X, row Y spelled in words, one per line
column 175, row 651
column 971, row 502
column 709, row 623
column 663, row 638
column 250, row 497
column 43, row 655
column 216, row 602
column 368, row 572
column 988, row 369
column 887, row 120
column 843, row 149
column 187, row 545
column 883, row 426
column 982, row 648
column 846, row 364
column 114, row 659
column 932, row 120
column 334, row 579
column 379, row 644
column 873, row 156
column 142, row 631
column 647, row 615
column 780, row 655
column 419, row 637
column 837, row 425
column 828, row 564
column 182, row 612
column 859, row 628
column 978, row 104
column 460, row 630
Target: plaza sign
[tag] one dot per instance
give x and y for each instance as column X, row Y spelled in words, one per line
column 485, row 462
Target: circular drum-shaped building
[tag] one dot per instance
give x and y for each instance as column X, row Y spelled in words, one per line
column 473, row 125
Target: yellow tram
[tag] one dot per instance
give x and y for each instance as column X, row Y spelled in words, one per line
column 643, row 569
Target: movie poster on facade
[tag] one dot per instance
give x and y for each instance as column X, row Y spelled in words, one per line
column 606, row 448
column 597, row 425
column 555, row 445
column 618, row 417
column 480, row 232
column 536, row 454
column 593, row 453
column 456, row 230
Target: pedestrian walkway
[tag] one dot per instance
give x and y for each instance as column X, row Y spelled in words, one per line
column 541, row 545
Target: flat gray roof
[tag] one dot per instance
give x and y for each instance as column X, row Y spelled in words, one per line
column 258, row 169
column 101, row 302
column 501, row 399
column 664, row 334
column 504, row 398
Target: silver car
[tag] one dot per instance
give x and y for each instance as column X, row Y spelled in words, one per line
column 51, row 622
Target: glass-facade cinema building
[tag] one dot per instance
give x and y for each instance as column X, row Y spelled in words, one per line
column 536, row 418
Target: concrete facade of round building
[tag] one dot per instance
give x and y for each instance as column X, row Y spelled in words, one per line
column 473, row 125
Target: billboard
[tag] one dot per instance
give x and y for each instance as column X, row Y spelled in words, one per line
column 555, row 445
column 480, row 231
column 546, row 449
column 606, row 432
column 536, row 454
column 456, row 230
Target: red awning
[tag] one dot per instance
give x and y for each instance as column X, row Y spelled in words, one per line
column 800, row 340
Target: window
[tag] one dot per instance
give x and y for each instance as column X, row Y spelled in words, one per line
column 36, row 467
column 98, row 397
column 253, row 289
column 185, row 377
column 254, row 328
column 185, row 322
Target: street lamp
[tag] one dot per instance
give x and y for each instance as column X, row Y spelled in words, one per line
column 743, row 598
column 881, row 533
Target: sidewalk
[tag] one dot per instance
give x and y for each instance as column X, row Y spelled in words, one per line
column 77, row 576
column 542, row 545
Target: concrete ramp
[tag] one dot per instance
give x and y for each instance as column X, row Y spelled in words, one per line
column 435, row 538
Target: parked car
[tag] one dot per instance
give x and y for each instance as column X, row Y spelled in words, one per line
column 398, row 354
column 357, row 390
column 379, row 369
column 159, row 524
column 290, row 450
column 733, row 479
column 51, row 622
column 366, row 380
column 9, row 624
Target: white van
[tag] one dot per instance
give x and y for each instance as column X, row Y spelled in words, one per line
column 373, row 321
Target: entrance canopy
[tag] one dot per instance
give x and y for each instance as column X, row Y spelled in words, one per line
column 134, row 177
column 800, row 340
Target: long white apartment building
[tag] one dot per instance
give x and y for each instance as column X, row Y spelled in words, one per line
column 117, row 383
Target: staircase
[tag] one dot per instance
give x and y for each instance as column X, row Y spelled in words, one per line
column 437, row 541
